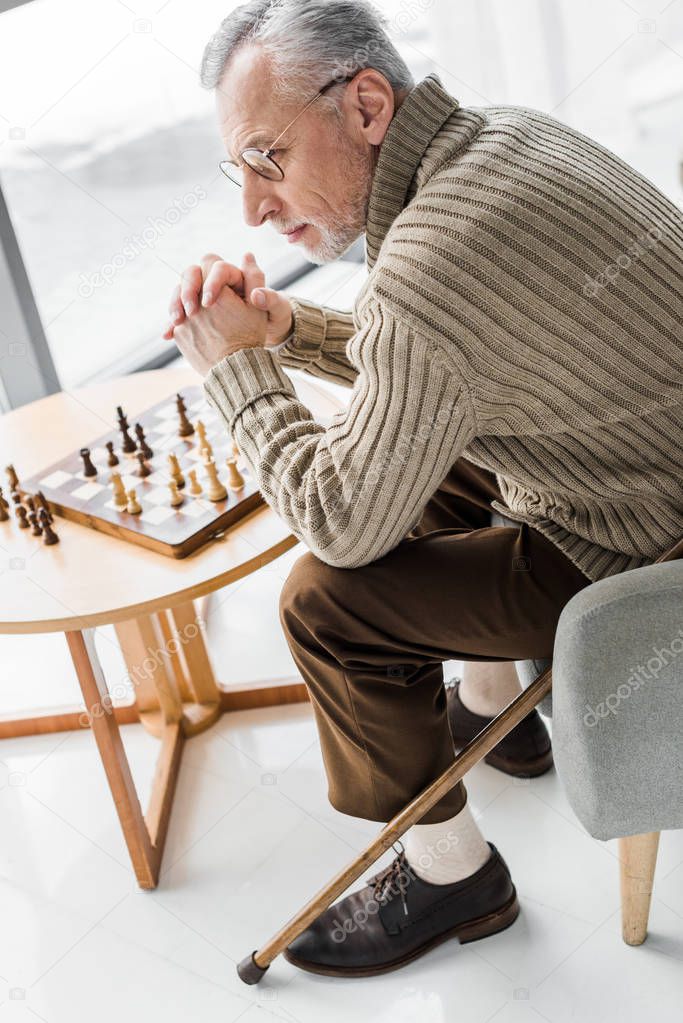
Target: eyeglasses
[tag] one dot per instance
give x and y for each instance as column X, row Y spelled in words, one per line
column 261, row 160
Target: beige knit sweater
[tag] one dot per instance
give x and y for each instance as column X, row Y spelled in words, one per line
column 523, row 310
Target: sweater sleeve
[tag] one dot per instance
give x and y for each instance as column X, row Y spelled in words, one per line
column 351, row 491
column 317, row 343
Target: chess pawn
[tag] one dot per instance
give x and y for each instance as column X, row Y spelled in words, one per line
column 176, row 497
column 195, row 485
column 44, row 505
column 113, row 458
column 143, row 470
column 134, row 506
column 235, row 478
column 174, row 469
column 36, row 529
column 21, row 514
column 49, row 535
column 120, row 496
column 215, row 490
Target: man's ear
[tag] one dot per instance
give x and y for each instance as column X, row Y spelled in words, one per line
column 372, row 104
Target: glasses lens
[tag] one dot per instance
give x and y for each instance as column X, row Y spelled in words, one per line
column 262, row 164
column 231, row 171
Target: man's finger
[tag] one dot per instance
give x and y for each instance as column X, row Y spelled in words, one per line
column 265, row 298
column 190, row 288
column 175, row 308
column 254, row 276
column 207, row 261
column 220, row 275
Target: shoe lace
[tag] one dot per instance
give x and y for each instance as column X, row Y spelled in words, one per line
column 393, row 874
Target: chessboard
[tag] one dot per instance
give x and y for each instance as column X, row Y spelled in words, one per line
column 155, row 491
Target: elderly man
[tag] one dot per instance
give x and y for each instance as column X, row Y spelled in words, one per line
column 516, row 346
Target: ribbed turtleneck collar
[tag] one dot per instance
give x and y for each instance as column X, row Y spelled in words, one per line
column 414, row 125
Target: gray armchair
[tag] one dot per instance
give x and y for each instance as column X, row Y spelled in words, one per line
column 617, row 709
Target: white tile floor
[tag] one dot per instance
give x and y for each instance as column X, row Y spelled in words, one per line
column 252, row 837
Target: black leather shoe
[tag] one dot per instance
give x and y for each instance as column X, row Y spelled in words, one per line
column 397, row 917
column 525, row 752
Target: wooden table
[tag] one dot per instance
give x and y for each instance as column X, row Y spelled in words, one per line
column 90, row 579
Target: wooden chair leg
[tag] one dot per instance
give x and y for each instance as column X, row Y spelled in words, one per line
column 252, row 967
column 638, row 859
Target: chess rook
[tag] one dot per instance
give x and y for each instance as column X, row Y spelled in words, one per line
column 235, row 477
column 88, row 468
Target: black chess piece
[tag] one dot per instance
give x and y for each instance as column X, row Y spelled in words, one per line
column 185, row 427
column 127, row 442
column 113, row 458
column 88, row 468
column 142, row 441
column 21, row 514
column 4, row 514
column 30, row 503
column 43, row 504
column 144, row 470
column 36, row 528
column 12, row 477
column 16, row 497
column 49, row 535
column 121, row 417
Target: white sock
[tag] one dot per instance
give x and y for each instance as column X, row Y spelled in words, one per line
column 448, row 851
column 487, row 687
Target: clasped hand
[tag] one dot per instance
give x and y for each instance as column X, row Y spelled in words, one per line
column 215, row 312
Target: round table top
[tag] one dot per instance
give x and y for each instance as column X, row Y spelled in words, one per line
column 89, row 578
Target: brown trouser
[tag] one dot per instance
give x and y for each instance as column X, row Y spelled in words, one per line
column 370, row 641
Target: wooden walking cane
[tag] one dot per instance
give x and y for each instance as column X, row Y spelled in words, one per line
column 252, row 968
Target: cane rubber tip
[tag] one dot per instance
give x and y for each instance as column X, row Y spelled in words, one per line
column 249, row 971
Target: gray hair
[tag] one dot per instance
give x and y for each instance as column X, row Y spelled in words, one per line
column 309, row 43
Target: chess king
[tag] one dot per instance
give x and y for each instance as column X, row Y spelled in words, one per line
column 492, row 363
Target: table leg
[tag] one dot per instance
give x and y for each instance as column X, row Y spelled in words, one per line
column 144, row 835
column 169, row 666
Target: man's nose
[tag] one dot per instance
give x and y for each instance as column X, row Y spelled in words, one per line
column 258, row 198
